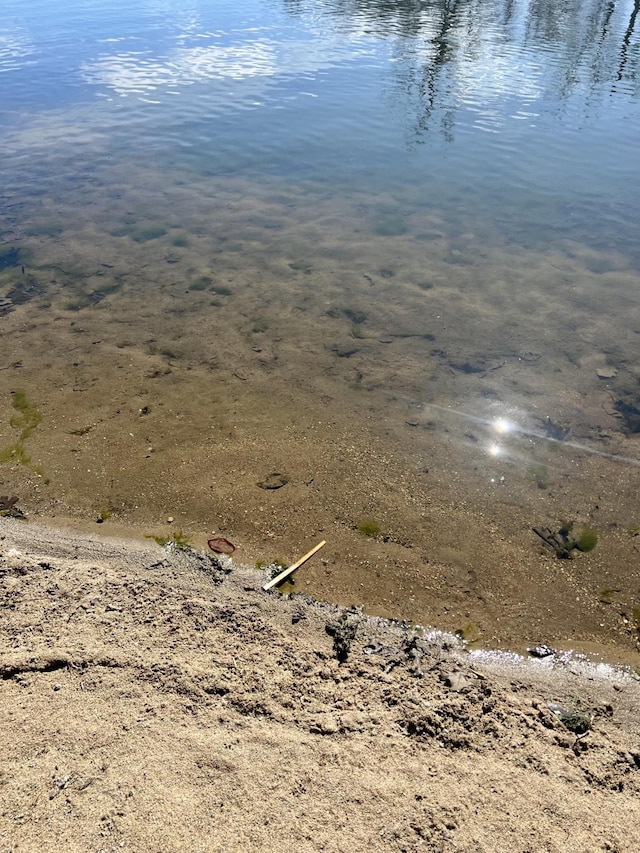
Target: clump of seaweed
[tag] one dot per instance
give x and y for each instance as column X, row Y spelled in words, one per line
column 565, row 540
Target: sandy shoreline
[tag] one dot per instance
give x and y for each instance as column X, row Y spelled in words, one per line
column 272, row 330
column 154, row 701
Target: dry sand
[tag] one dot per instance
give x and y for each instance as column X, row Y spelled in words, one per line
column 153, row 700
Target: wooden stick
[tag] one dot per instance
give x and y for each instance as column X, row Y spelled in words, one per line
column 291, row 569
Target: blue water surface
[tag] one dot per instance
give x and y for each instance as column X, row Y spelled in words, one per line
column 512, row 102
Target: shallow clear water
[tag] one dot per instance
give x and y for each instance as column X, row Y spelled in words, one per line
column 420, row 215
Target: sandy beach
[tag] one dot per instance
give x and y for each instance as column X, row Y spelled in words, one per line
column 155, row 699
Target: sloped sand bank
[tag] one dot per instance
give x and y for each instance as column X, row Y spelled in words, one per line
column 151, row 701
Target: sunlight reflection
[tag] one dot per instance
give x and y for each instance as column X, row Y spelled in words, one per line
column 142, row 72
column 503, row 426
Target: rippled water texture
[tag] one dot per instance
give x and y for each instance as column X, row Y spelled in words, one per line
column 382, row 254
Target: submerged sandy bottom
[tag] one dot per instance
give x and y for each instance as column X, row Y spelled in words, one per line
column 152, row 700
column 177, row 344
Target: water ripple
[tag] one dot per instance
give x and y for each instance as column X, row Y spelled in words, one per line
column 14, row 48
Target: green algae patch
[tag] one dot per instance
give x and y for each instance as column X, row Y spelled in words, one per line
column 369, row 528
column 587, row 540
column 27, row 416
column 177, row 540
column 25, row 419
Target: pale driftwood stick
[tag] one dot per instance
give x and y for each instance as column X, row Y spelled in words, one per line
column 285, row 574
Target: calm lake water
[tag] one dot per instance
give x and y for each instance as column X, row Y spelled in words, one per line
column 386, row 250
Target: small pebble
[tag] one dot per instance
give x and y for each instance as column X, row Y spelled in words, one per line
column 170, row 520
column 606, row 372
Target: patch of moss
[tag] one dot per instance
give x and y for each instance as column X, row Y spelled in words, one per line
column 176, row 540
column 369, row 528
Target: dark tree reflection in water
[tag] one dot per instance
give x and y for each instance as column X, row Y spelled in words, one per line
column 590, row 49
